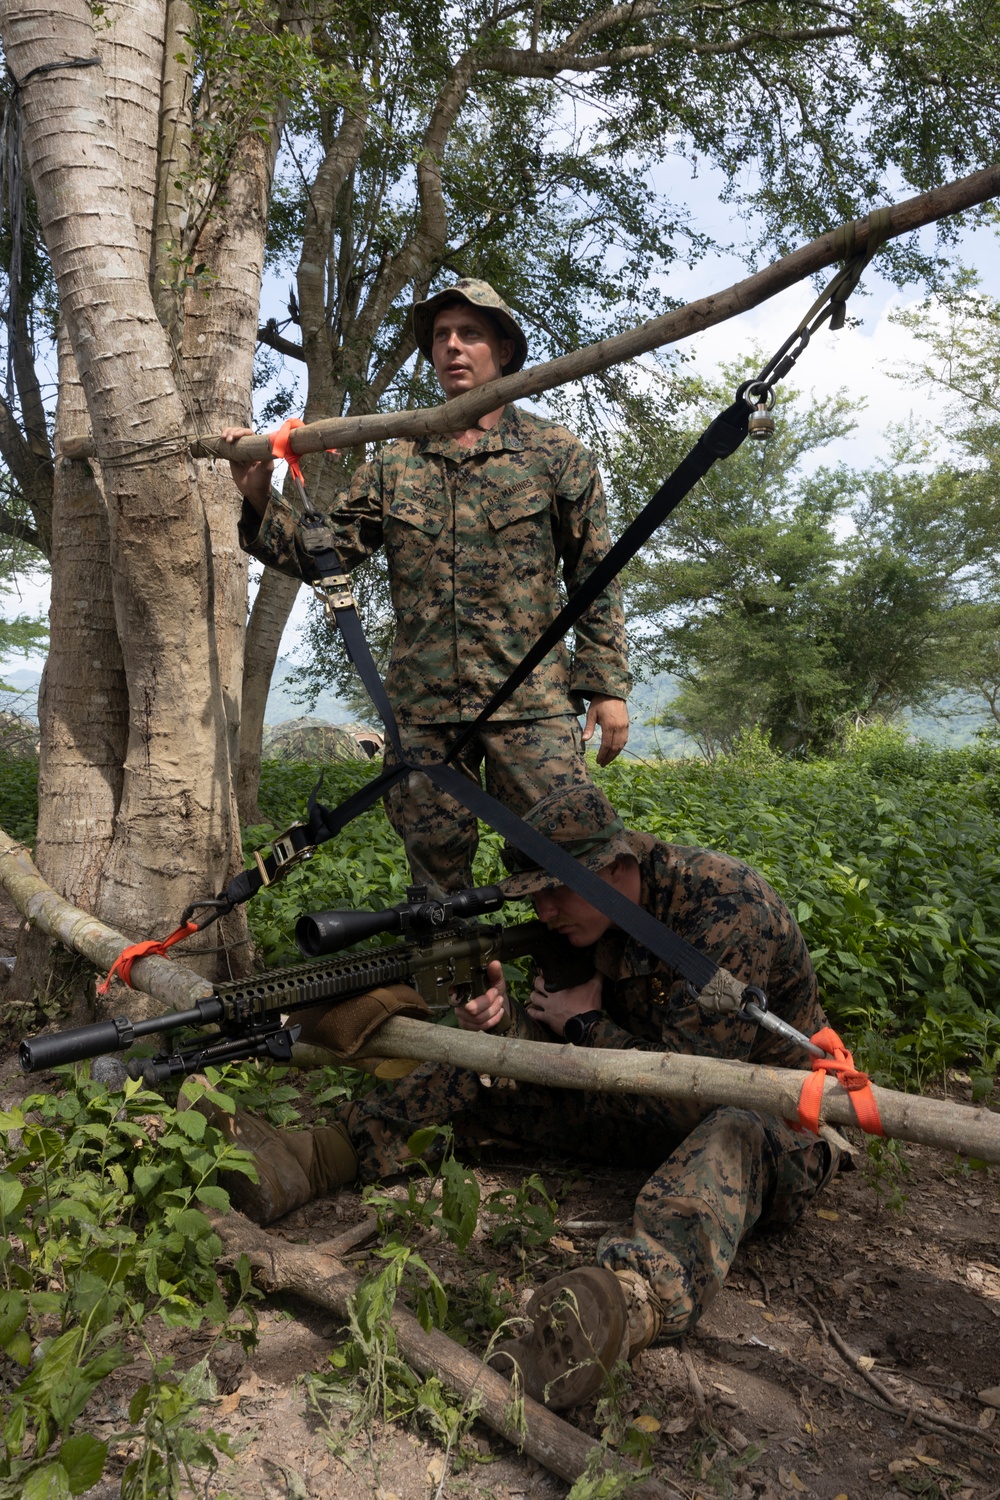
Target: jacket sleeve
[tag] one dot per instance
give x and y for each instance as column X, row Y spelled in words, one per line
column 600, row 664
column 356, row 521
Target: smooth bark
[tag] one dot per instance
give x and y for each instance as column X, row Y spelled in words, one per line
column 174, row 832
column 268, row 618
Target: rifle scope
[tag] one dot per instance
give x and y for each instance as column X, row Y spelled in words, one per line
column 321, row 932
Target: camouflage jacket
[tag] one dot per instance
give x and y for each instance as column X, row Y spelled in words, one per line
column 728, row 911
column 474, row 539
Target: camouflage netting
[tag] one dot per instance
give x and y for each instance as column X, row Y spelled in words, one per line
column 316, row 740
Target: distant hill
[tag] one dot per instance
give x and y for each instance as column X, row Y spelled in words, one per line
column 281, row 705
column 19, row 694
column 952, row 722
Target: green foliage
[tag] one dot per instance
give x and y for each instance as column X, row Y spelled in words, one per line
column 524, row 1216
column 19, row 796
column 797, row 598
column 101, row 1225
column 887, row 856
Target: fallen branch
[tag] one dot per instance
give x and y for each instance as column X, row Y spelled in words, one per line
column 969, row 1130
column 325, row 1281
column 464, row 411
column 708, row 1081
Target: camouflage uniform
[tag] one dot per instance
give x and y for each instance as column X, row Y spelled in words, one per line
column 475, row 538
column 719, row 1171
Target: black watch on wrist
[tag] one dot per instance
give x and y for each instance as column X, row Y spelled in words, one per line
column 578, row 1029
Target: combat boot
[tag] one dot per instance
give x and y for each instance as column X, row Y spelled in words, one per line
column 582, row 1323
column 293, row 1166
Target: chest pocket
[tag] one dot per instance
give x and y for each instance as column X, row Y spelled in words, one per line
column 520, row 521
column 410, row 529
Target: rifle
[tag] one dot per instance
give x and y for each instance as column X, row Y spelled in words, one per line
column 443, row 956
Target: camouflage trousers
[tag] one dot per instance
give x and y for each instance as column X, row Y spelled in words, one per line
column 719, row 1173
column 523, row 761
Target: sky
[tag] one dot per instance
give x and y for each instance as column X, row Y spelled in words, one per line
column 861, row 359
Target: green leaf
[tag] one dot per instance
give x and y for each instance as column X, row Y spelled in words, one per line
column 83, row 1458
column 13, row 1311
column 138, row 1404
column 213, row 1197
column 192, row 1123
column 51, row 1482
column 11, row 1194
column 421, row 1139
column 145, row 1177
column 19, row 1348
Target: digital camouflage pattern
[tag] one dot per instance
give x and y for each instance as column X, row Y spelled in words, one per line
column 718, row 1172
column 522, row 762
column 314, row 739
column 581, row 820
column 475, row 539
column 727, row 910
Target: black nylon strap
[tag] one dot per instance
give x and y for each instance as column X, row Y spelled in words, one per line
column 659, row 939
column 721, row 438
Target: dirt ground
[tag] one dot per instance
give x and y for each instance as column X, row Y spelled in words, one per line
column 856, row 1357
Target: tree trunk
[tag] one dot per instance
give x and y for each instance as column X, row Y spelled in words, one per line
column 174, row 833
column 83, row 703
column 268, row 619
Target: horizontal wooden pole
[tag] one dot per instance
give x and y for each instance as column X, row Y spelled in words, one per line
column 711, row 1081
column 344, row 432
column 164, row 979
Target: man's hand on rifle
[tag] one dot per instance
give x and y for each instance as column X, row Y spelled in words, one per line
column 484, row 1012
column 554, row 1007
column 252, row 480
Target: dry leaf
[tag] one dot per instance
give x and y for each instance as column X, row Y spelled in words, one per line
column 791, row 1480
column 768, row 1317
column 991, row 1396
column 830, row 1214
column 228, row 1404
column 435, row 1469
column 646, row 1424
column 925, row 1458
column 756, row 1302
column 566, row 1246
column 900, row 1465
column 840, row 1497
column 865, row 1362
column 987, row 1418
column 676, row 1425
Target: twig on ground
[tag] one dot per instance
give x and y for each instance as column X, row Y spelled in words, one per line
column 349, row 1239
column 765, row 1290
column 694, row 1384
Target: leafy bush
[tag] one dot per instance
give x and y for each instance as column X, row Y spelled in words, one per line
column 101, row 1225
column 19, row 796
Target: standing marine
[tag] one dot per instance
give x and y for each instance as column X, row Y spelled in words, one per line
column 477, row 526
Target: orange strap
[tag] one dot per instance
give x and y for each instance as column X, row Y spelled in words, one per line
column 280, row 441
column 857, row 1084
column 122, row 965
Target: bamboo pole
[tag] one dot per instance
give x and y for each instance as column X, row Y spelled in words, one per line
column 343, row 432
column 710, row 1081
column 325, row 1281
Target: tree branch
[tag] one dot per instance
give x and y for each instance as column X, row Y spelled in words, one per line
column 269, row 335
column 463, row 411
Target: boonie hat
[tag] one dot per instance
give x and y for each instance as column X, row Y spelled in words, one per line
column 478, row 294
column 581, row 820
